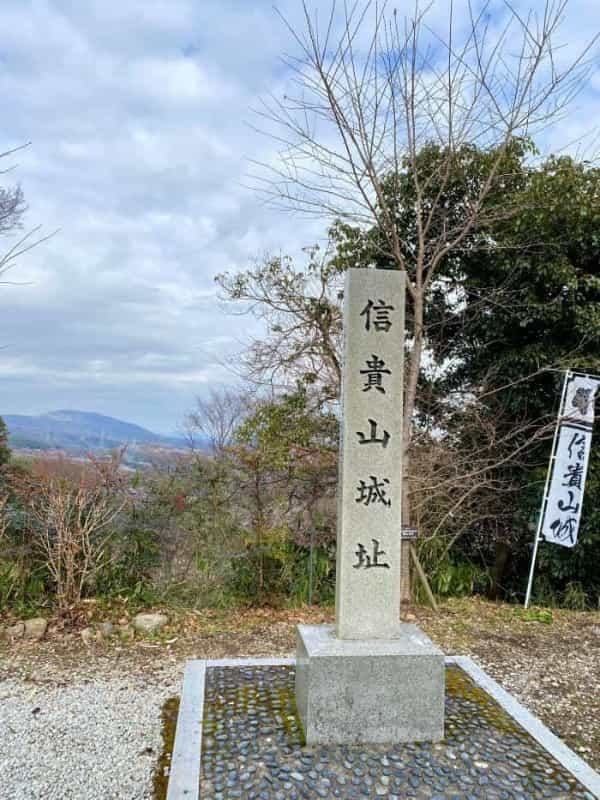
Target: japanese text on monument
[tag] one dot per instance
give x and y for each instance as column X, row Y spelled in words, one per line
column 370, row 467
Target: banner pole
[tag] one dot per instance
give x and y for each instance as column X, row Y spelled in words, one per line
column 545, row 495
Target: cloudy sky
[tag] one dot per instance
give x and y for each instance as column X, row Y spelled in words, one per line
column 137, row 115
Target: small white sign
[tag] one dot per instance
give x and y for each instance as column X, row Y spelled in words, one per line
column 409, row 534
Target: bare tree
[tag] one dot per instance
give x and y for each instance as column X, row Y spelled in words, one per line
column 69, row 522
column 217, row 416
column 3, row 516
column 12, row 209
column 302, row 314
column 372, row 89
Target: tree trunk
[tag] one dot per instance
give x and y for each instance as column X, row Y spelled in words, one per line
column 503, row 552
column 409, row 407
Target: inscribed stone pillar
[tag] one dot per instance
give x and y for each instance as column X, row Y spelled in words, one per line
column 369, row 678
column 370, row 475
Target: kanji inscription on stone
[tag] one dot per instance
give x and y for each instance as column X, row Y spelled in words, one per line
column 370, row 476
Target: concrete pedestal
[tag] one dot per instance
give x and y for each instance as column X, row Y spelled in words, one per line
column 377, row 691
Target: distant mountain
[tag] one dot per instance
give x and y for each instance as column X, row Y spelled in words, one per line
column 78, row 431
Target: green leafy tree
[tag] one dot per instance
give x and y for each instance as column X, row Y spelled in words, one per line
column 301, row 313
column 549, row 317
column 286, row 462
column 507, row 311
column 533, row 299
column 372, row 91
column 501, row 315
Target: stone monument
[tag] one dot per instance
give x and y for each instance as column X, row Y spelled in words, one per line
column 369, row 678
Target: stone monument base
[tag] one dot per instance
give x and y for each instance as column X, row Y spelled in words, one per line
column 369, row 691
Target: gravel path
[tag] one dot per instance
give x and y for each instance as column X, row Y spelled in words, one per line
column 96, row 740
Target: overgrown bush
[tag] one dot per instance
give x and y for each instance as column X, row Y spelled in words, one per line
column 282, row 572
column 57, row 522
column 448, row 574
column 253, row 522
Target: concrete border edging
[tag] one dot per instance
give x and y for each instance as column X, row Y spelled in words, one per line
column 184, row 777
column 184, row 774
column 251, row 662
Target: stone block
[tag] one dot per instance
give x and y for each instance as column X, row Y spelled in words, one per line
column 371, row 691
column 369, row 516
column 149, row 623
column 16, row 631
column 36, row 628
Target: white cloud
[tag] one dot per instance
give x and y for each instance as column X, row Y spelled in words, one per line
column 137, row 114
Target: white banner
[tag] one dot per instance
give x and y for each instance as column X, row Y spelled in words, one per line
column 562, row 510
column 565, row 496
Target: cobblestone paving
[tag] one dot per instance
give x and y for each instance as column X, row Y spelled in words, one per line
column 252, row 749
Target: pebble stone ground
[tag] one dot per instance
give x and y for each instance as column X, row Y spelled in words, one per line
column 94, row 739
column 252, row 749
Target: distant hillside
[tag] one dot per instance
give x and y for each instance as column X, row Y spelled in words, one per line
column 77, row 431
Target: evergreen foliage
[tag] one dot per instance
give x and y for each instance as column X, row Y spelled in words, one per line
column 510, row 309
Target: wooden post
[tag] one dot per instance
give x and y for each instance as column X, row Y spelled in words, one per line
column 423, row 577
